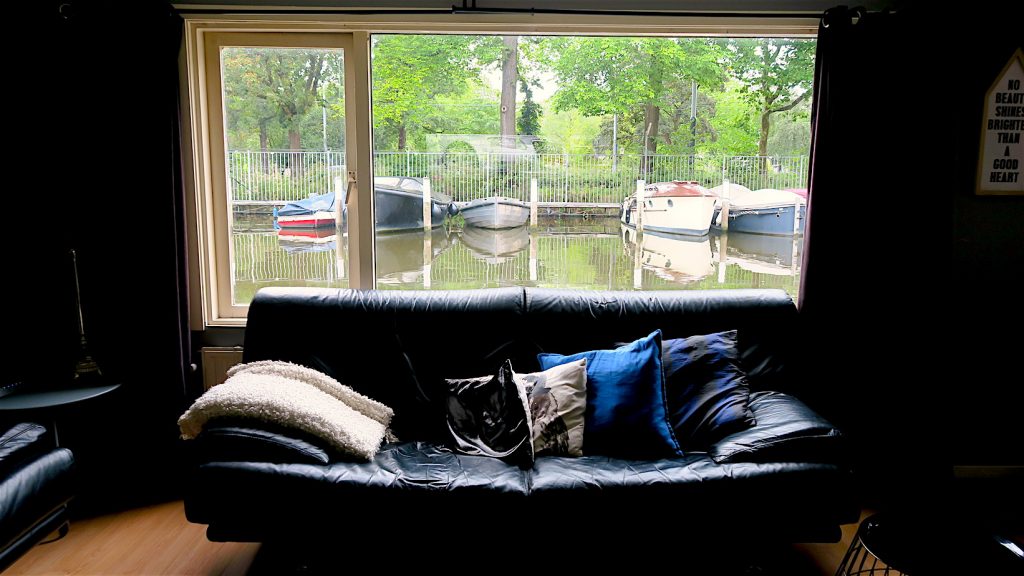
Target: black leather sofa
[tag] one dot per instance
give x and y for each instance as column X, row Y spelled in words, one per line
column 785, row 479
column 36, row 484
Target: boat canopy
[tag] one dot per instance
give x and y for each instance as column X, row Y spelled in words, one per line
column 766, row 198
column 734, row 190
column 311, row 205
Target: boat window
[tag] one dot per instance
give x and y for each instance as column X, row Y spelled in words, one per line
column 670, row 203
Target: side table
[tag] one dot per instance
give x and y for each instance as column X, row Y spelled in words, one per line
column 51, row 402
column 894, row 544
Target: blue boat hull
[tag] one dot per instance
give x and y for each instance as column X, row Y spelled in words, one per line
column 777, row 221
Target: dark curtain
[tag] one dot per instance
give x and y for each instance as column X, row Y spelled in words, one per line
column 905, row 293
column 99, row 132
column 877, row 246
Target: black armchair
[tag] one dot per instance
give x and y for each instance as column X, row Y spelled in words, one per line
column 36, row 485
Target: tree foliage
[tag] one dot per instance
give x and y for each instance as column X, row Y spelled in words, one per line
column 531, row 111
column 411, row 71
column 626, row 76
column 753, row 94
column 776, row 74
column 272, row 93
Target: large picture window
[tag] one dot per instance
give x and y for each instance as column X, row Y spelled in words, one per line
column 456, row 161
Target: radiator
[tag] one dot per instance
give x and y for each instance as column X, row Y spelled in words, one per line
column 216, row 361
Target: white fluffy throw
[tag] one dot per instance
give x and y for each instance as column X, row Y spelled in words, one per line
column 297, row 397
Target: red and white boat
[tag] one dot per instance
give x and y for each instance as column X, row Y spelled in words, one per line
column 313, row 212
column 677, row 207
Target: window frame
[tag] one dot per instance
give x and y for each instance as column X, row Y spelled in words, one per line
column 203, row 135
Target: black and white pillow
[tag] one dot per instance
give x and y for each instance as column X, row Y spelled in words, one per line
column 490, row 416
column 558, row 404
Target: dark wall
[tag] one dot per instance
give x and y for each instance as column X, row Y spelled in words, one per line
column 95, row 138
column 920, row 372
column 984, row 338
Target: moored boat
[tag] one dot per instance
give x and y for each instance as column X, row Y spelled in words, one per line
column 677, row 207
column 313, row 212
column 398, row 205
column 767, row 211
column 495, row 212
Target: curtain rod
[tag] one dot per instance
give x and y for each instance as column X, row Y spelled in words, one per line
column 473, row 9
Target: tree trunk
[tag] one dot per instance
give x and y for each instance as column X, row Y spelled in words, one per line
column 401, row 136
column 264, row 144
column 295, row 157
column 762, row 143
column 652, row 118
column 509, row 82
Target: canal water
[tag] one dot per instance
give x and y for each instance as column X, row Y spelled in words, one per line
column 595, row 253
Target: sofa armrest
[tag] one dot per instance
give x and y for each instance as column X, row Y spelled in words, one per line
column 787, row 430
column 239, row 441
column 21, row 442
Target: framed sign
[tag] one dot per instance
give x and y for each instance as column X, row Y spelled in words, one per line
column 1001, row 155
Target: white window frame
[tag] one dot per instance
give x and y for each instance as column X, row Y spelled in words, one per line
column 203, row 134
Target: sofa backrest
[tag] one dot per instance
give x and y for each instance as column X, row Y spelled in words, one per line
column 398, row 346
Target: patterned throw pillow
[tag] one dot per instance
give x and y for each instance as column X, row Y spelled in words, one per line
column 558, row 403
column 490, row 416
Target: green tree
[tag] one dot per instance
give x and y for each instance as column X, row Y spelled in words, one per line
column 733, row 124
column 627, row 76
column 791, row 131
column 569, row 132
column 281, row 84
column 530, row 113
column 411, row 71
column 777, row 75
column 509, row 82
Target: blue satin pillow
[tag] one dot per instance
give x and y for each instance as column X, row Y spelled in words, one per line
column 706, row 389
column 627, row 413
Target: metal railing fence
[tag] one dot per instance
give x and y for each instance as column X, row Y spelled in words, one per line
column 276, row 177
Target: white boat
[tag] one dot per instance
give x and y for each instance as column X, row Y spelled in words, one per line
column 675, row 207
column 495, row 212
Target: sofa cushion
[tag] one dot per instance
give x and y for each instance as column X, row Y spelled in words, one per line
column 691, row 493
column 786, row 431
column 490, row 416
column 558, row 406
column 402, row 481
column 706, row 389
column 626, row 411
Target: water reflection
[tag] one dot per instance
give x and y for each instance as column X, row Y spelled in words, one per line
column 680, row 259
column 495, row 246
column 571, row 253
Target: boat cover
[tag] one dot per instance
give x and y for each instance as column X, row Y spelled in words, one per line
column 765, row 198
column 311, row 205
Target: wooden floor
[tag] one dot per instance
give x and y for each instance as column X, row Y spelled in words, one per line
column 158, row 540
